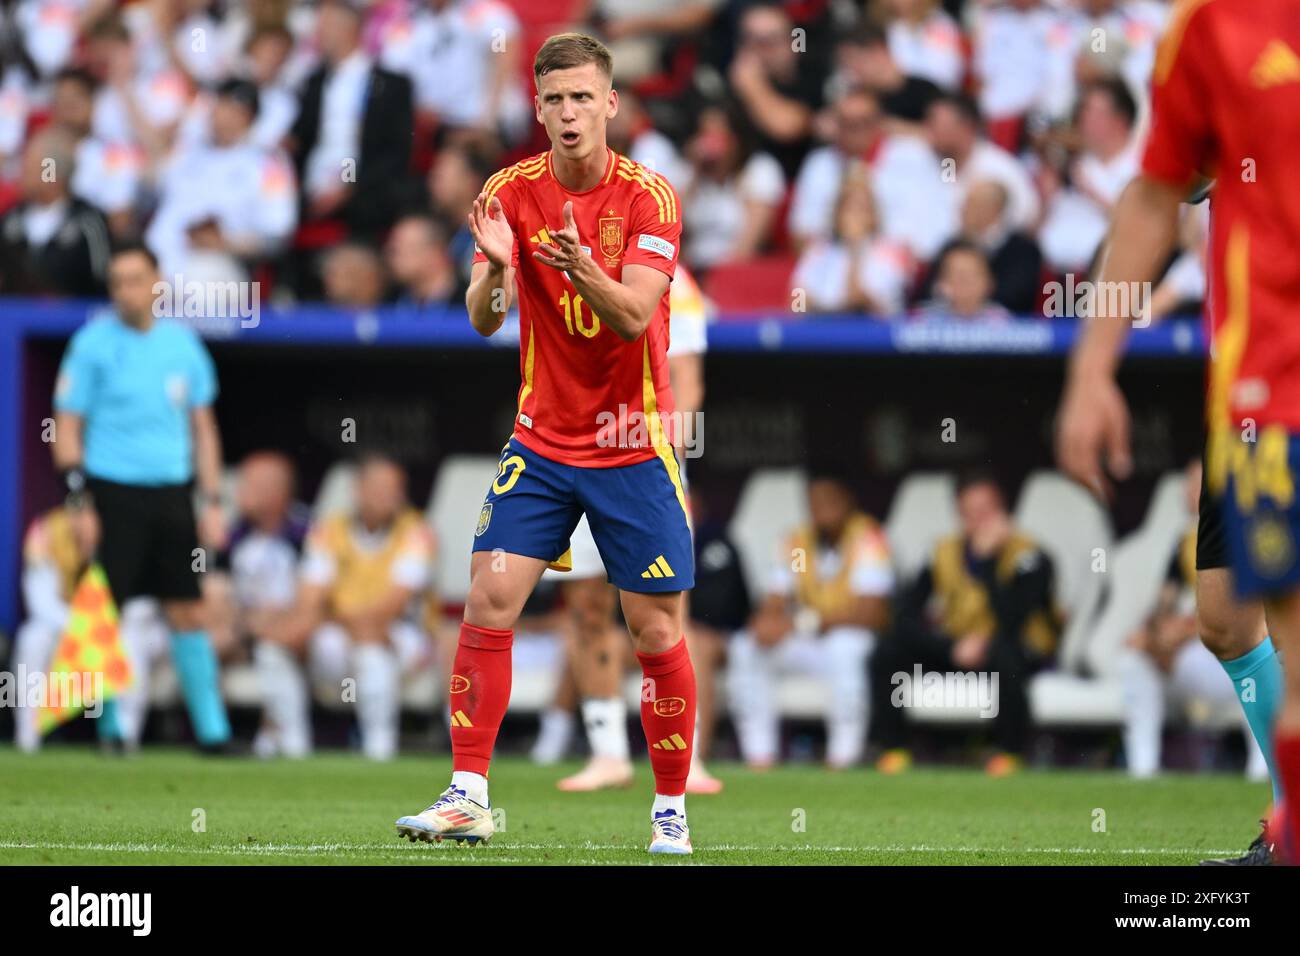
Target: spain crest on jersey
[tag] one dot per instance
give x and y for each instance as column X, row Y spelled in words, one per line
column 611, row 237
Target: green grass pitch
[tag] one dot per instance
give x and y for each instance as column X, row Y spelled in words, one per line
column 69, row 805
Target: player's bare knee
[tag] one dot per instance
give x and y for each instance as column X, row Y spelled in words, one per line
column 488, row 605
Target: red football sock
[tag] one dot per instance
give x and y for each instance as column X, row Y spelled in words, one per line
column 1287, row 746
column 668, row 715
column 479, row 693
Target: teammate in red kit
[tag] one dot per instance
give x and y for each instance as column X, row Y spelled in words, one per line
column 1226, row 102
column 588, row 242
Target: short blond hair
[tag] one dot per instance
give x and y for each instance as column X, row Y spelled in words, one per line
column 564, row 51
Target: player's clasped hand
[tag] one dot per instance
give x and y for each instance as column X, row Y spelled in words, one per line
column 491, row 231
column 564, row 252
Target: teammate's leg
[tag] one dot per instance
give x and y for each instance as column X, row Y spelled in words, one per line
column 846, row 653
column 1235, row 632
column 598, row 674
column 1143, row 694
column 751, row 691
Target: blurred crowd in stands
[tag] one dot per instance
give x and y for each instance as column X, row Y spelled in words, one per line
column 831, row 155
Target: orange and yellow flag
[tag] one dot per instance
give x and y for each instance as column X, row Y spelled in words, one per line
column 90, row 662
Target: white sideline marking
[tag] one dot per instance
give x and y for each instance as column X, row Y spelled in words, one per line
column 296, row 849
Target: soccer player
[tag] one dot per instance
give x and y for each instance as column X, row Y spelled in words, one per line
column 134, row 430
column 588, row 240
column 1226, row 99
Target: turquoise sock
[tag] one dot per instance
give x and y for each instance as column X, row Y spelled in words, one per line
column 199, row 674
column 1257, row 677
column 109, row 726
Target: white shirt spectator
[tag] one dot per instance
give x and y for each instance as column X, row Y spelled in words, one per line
column 915, row 207
column 929, row 49
column 884, row 268
column 449, row 53
column 248, row 192
column 343, row 102
column 107, row 175
column 990, row 162
column 1130, row 33
column 1011, row 58
column 715, row 215
column 49, row 30
column 161, row 97
column 15, row 101
column 871, row 573
column 688, row 316
column 1075, row 223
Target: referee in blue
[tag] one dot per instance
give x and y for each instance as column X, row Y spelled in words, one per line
column 134, row 431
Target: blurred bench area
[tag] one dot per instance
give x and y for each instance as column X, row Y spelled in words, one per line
column 897, row 409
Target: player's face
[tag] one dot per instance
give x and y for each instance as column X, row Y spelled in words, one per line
column 575, row 105
column 131, row 279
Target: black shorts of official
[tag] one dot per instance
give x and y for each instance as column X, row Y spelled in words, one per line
column 148, row 540
column 1211, row 535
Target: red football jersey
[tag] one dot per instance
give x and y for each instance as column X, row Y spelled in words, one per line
column 1226, row 102
column 587, row 397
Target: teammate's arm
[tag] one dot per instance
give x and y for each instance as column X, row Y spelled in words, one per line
column 492, row 283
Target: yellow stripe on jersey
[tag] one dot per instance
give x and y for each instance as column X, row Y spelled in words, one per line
column 652, row 180
column 528, row 169
column 1229, row 347
column 528, row 369
column 650, row 405
column 662, row 194
column 1167, row 51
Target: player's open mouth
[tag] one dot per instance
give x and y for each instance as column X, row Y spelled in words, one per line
column 569, row 138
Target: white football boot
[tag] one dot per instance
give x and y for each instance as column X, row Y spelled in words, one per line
column 670, row 834
column 454, row 816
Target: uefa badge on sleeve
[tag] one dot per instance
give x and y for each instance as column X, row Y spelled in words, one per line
column 484, row 519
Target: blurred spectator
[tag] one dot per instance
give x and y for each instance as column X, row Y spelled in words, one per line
column 1094, row 40
column 268, row 53
column 182, row 34
column 827, row 599
column 865, row 60
column 1165, row 658
column 952, row 125
column 463, row 59
column 16, row 103
column 418, row 262
column 247, row 207
column 924, row 40
column 963, row 286
column 139, row 104
column 777, row 89
column 454, row 182
column 50, row 29
column 107, row 175
column 1078, row 207
column 365, row 578
column 732, row 197
column 1010, row 62
column 631, row 133
column 984, row 603
column 352, row 138
column 905, row 177
column 856, row 269
column 353, row 276
column 640, row 33
column 263, row 553
column 1013, row 256
column 52, row 242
